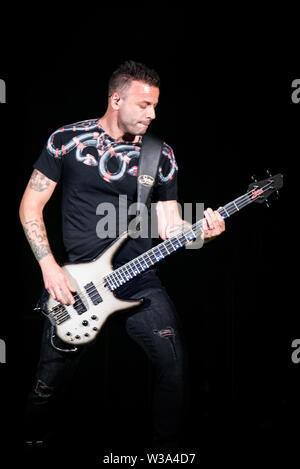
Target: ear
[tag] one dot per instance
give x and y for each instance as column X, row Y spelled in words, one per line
column 114, row 100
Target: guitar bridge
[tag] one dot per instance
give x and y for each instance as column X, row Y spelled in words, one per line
column 59, row 314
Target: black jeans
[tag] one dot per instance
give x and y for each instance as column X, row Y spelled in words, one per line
column 155, row 327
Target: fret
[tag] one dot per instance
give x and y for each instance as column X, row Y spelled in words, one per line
column 144, row 261
column 127, row 273
column 158, row 247
column 190, row 235
column 235, row 205
column 226, row 212
column 112, row 281
column 143, row 264
column 163, row 248
column 175, row 242
column 109, row 282
column 133, row 270
column 115, row 277
column 169, row 244
column 136, row 266
column 243, row 200
column 158, row 254
column 149, row 257
column 122, row 274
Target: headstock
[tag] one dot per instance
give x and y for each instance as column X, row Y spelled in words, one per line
column 261, row 190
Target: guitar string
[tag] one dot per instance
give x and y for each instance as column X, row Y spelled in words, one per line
column 102, row 286
column 168, row 242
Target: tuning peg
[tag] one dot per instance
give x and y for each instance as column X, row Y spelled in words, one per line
column 268, row 173
column 268, row 204
column 253, row 177
column 277, row 194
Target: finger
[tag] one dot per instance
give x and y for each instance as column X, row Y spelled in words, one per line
column 70, row 297
column 59, row 295
column 219, row 220
column 69, row 285
column 67, row 295
column 209, row 217
column 218, row 216
column 205, row 225
column 51, row 293
column 207, row 233
column 215, row 219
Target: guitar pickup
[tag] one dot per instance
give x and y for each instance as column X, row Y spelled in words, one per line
column 79, row 306
column 93, row 293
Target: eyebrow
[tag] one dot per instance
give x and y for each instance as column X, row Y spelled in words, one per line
column 148, row 102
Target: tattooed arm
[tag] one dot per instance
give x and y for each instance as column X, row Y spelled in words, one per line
column 37, row 193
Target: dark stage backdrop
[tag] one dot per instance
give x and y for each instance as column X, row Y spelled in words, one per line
column 228, row 113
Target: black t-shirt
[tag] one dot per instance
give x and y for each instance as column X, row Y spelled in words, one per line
column 99, row 177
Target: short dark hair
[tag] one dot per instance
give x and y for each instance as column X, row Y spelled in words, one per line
column 129, row 71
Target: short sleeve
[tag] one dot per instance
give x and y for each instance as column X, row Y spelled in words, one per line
column 166, row 182
column 50, row 160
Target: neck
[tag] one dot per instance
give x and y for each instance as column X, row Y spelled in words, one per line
column 110, row 125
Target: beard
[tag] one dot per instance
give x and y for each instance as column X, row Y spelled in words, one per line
column 130, row 127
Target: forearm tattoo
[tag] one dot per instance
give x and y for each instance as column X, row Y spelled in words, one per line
column 38, row 182
column 36, row 235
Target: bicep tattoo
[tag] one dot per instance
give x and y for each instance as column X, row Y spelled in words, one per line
column 38, row 181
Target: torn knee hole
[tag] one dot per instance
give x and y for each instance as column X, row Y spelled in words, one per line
column 42, row 389
column 167, row 332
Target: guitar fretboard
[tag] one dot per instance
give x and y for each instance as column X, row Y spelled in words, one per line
column 154, row 255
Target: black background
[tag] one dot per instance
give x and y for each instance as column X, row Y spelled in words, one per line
column 226, row 110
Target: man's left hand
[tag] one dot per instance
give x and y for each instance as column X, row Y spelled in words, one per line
column 213, row 224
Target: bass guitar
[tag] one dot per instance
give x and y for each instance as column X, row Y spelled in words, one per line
column 96, row 281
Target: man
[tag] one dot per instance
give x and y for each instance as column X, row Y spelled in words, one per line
column 97, row 161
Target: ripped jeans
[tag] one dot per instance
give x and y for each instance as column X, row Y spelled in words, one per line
column 155, row 327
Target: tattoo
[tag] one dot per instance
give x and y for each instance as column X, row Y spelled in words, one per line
column 35, row 232
column 38, row 182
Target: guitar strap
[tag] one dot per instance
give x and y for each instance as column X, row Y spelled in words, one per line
column 147, row 171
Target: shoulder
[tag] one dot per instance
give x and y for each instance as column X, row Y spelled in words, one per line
column 167, row 148
column 67, row 137
column 168, row 155
column 76, row 127
column 168, row 165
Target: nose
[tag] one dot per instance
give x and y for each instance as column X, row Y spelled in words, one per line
column 151, row 113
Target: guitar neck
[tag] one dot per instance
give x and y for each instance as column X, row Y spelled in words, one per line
column 239, row 203
column 141, row 263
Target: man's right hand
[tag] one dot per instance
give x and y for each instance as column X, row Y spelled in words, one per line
column 56, row 282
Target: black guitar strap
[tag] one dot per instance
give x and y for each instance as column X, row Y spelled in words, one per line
column 148, row 166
